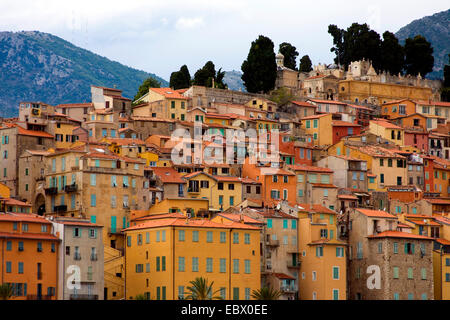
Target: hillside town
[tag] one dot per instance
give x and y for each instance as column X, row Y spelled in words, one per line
column 350, row 201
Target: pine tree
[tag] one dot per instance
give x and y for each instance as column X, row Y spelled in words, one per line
column 418, row 56
column 305, row 64
column 260, row 69
column 290, row 55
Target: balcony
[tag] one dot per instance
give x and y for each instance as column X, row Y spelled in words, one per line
column 60, row 209
column 51, row 191
column 272, row 243
column 83, row 297
column 71, row 188
column 294, row 264
column 77, row 256
column 289, row 289
column 193, row 190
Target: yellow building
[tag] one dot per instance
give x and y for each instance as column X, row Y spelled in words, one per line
column 379, row 93
column 323, row 257
column 125, row 147
column 319, row 126
column 262, row 104
column 388, row 131
column 171, row 102
column 385, row 166
column 164, row 255
column 441, row 269
column 223, row 192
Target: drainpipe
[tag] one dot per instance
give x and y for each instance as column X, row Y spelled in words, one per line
column 173, row 262
column 229, row 266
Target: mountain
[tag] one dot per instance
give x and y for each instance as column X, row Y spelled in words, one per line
column 36, row 66
column 436, row 29
column 233, row 80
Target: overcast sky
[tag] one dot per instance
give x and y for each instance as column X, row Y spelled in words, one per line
column 160, row 36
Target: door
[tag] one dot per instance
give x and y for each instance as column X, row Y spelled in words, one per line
column 39, row 291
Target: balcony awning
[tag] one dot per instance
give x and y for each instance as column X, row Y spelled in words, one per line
column 283, row 276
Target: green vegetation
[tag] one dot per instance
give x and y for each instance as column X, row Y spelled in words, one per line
column 290, row 55
column 180, row 79
column 360, row 42
column 445, row 94
column 266, row 293
column 5, row 291
column 143, row 89
column 201, row 290
column 305, row 64
column 206, row 75
column 260, row 68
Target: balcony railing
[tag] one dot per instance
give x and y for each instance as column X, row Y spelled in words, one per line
column 94, row 257
column 272, row 243
column 60, row 209
column 83, row 297
column 77, row 256
column 50, row 191
column 288, row 289
column 193, row 190
column 71, row 188
column 294, row 264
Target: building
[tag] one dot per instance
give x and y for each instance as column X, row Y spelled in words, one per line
column 30, row 256
column 318, row 127
column 323, row 257
column 163, row 255
column 387, row 264
column 81, row 247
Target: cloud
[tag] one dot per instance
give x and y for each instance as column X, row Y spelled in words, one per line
column 189, row 23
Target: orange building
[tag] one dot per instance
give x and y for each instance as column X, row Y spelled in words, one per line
column 398, row 108
column 277, row 184
column 29, row 258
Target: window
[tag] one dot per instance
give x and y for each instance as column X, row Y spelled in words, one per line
column 235, row 265
column 395, row 272
column 195, row 236
column 209, row 236
column 319, row 251
column 410, row 273
column 181, row 264
column 181, row 235
column 380, row 247
column 335, row 273
column 247, row 266
column 423, row 272
column 339, row 252
column 93, row 200
column 410, row 296
column 235, row 237
column 93, row 179
column 285, row 224
column 194, row 264
column 223, row 237
column 396, row 296
column 269, row 223
column 314, row 276
column 395, row 247
column 247, row 238
column 209, row 265
column 335, row 294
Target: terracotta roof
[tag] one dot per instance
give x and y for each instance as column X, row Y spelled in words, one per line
column 299, row 167
column 283, row 276
column 38, row 152
column 304, row 104
column 26, row 235
column 376, row 213
column 399, row 234
column 192, row 223
column 14, row 202
column 396, row 101
column 327, row 101
column 237, row 217
column 385, row 124
column 106, row 88
column 338, row 123
column 315, row 77
column 125, row 141
column 25, row 217
column 250, row 181
column 316, row 208
column 380, row 152
column 25, row 132
column 79, row 223
column 168, row 175
column 401, row 225
column 347, row 197
column 169, row 93
column 317, row 116
column 74, row 105
column 445, row 242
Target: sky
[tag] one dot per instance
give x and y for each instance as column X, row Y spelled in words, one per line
column 159, row 36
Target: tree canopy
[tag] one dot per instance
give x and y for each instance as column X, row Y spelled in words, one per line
column 360, row 42
column 290, row 55
column 418, row 56
column 260, row 69
column 305, row 64
column 143, row 89
column 392, row 54
column 206, row 75
column 180, row 79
